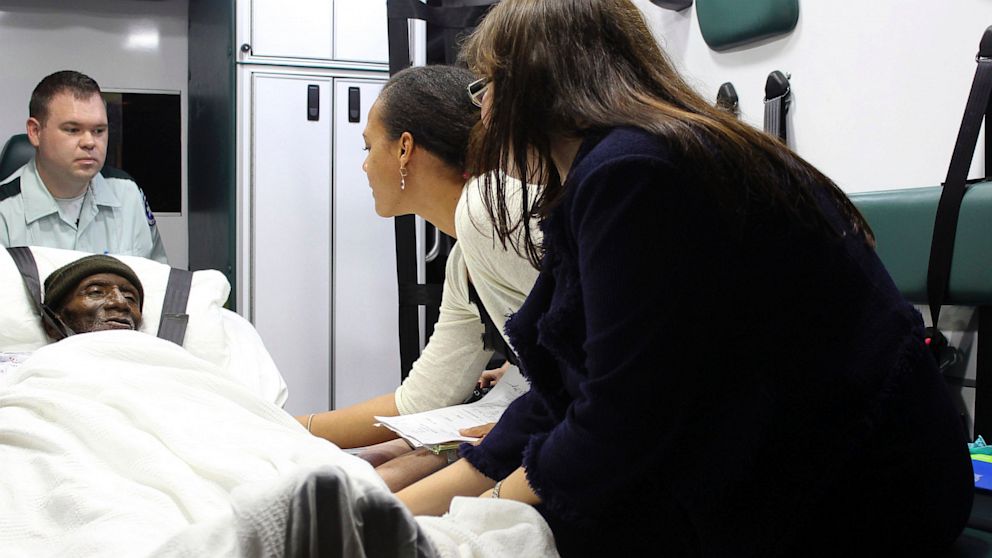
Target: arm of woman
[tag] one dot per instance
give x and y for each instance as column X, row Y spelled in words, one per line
column 354, row 426
column 432, row 495
column 636, row 257
column 444, row 375
column 515, row 487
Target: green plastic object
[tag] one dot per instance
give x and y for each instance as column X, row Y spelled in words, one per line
column 730, row 23
column 903, row 224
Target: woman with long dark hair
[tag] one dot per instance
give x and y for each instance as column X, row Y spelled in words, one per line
column 719, row 363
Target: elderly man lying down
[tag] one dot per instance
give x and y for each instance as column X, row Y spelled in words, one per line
column 117, row 443
column 93, row 293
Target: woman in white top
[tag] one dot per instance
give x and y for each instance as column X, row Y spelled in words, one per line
column 417, row 134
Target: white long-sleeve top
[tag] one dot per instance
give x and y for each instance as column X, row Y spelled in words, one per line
column 453, row 359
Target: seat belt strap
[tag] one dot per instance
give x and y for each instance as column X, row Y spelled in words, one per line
column 172, row 326
column 777, row 98
column 978, row 108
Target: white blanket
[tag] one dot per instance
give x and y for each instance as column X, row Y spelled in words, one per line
column 111, row 443
column 121, row 444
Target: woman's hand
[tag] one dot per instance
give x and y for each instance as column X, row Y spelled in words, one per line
column 477, row 431
column 490, row 377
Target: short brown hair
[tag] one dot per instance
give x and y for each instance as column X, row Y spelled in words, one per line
column 65, row 81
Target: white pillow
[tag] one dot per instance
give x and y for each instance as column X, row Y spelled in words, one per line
column 20, row 323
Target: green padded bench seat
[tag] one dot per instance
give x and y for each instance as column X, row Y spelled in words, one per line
column 903, row 224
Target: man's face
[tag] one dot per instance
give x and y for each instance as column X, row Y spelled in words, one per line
column 100, row 302
column 72, row 141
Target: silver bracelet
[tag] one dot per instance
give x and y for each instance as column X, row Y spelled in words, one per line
column 310, row 422
column 496, row 489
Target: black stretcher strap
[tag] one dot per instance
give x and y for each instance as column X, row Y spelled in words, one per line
column 172, row 326
column 26, row 265
column 777, row 94
column 977, row 110
column 24, row 260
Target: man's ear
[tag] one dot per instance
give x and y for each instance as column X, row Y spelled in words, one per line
column 33, row 127
column 407, row 145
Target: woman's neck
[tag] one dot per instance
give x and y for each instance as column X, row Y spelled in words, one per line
column 563, row 152
column 440, row 199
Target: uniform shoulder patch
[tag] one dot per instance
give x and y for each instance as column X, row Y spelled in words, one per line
column 114, row 172
column 148, row 210
column 10, row 189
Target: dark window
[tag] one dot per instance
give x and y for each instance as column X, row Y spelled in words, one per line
column 146, row 142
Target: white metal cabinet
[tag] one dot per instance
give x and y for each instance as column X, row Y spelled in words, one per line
column 360, row 32
column 292, row 28
column 365, row 300
column 321, row 264
column 309, row 31
column 290, row 235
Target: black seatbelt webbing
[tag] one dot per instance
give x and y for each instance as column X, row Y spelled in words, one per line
column 172, row 326
column 977, row 110
column 946, row 221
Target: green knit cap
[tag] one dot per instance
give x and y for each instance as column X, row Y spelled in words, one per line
column 63, row 280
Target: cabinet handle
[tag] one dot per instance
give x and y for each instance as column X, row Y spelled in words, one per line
column 354, row 104
column 313, row 102
column 246, row 48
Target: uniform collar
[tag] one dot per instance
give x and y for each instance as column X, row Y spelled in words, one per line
column 38, row 201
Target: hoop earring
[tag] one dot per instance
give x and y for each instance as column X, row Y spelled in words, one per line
column 403, row 173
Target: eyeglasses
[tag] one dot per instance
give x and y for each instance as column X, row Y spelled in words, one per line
column 477, row 90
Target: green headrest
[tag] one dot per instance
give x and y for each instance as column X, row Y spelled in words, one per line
column 730, row 23
column 903, row 225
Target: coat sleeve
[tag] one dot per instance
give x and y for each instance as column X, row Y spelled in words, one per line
column 626, row 223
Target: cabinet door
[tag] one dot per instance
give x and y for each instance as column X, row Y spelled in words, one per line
column 291, row 235
column 360, row 31
column 293, row 28
column 366, row 341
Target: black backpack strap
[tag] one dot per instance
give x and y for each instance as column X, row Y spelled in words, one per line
column 978, row 108
column 777, row 97
column 172, row 326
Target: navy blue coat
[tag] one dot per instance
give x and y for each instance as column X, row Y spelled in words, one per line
column 721, row 381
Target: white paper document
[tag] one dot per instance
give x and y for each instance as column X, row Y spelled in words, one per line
column 442, row 425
